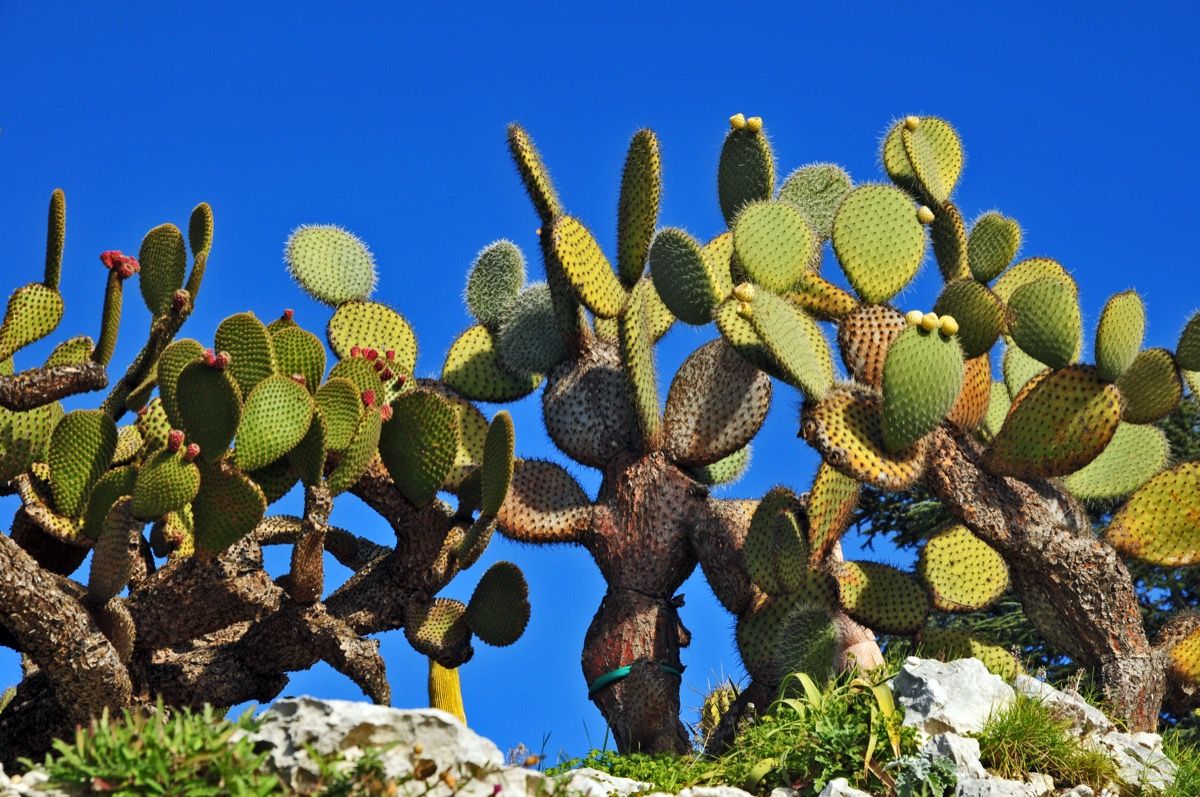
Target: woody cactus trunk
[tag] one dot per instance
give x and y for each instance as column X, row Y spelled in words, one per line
column 186, row 611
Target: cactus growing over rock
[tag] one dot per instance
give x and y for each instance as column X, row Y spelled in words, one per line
column 221, row 433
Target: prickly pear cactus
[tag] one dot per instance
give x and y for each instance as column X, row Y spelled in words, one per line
column 176, row 506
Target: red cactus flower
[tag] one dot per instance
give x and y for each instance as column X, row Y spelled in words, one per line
column 174, row 440
column 191, row 452
column 289, row 314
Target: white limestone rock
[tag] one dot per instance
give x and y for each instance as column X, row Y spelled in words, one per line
column 949, row 697
column 840, row 787
column 1139, row 758
column 1085, row 718
column 959, row 750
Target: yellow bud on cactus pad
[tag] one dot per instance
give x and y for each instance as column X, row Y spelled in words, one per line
column 912, row 122
column 737, row 121
column 930, row 322
column 754, row 124
column 744, row 292
column 948, row 325
column 913, row 317
column 924, row 215
column 745, row 309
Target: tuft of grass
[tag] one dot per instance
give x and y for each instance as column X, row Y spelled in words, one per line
column 1029, row 737
column 1186, row 755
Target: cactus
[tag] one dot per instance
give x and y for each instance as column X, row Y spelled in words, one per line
column 231, row 430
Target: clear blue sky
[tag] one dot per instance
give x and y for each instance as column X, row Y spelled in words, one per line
column 388, row 118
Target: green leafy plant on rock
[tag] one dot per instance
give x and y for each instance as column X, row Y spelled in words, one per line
column 174, row 506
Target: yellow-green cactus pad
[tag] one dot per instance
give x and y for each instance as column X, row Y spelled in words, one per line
column 948, row 234
column 846, row 429
column 200, row 238
column 1150, row 386
column 817, row 190
column 81, row 446
column 307, row 457
column 684, row 278
column 933, row 153
column 1131, row 458
column 369, row 325
column 703, row 424
column 922, row 377
column 878, row 240
column 998, row 406
column 473, row 430
column 275, row 480
column 776, row 551
column 1059, row 423
column 637, row 358
column 165, row 483
column 495, row 280
column 210, row 407
column 820, row 298
column 864, row 338
column 1187, row 352
column 529, row 342
column 831, row 504
column 658, row 318
column 250, row 348
column 637, row 211
column 154, row 426
column 807, row 642
column 228, row 506
column 163, row 259
column 881, row 597
column 497, row 464
column 473, row 368
column 739, row 332
column 358, row 453
column 971, row 406
column 499, row 607
column 33, row 313
column 332, row 265
column 111, row 486
column 175, row 357
column 978, row 311
column 949, row 644
column 795, row 342
column 360, row 372
column 298, row 351
column 340, row 403
column 1044, row 320
column 113, row 553
column 276, row 417
column 1184, row 658
column 774, row 244
column 1029, row 270
column 438, row 629
column 759, row 631
column 544, row 503
column 533, row 174
column 718, row 254
column 71, row 351
column 420, row 443
column 1119, row 334
column 746, row 170
column 584, row 263
column 1019, row 368
column 724, row 471
column 129, row 443
column 1193, row 381
column 1159, row 523
column 992, row 245
column 56, row 234
column 963, row 573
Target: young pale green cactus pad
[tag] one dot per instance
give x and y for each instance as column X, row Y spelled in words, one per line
column 331, row 264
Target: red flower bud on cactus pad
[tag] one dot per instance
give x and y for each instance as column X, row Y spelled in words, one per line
column 355, row 351
column 289, row 314
column 180, row 299
column 391, row 355
column 386, row 374
column 368, row 398
column 370, row 354
column 385, row 412
column 127, row 267
column 191, row 452
column 210, row 357
column 174, row 440
column 299, row 379
column 111, row 257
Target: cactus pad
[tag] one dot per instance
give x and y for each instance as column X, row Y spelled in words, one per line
column 864, row 338
column 445, row 691
column 922, row 377
column 949, row 644
column 153, row 425
column 971, row 406
column 210, row 407
column 724, row 471
column 496, row 464
column 774, row 244
column 81, row 446
column 821, row 298
column 1187, row 352
column 926, row 157
column 307, row 457
column 529, row 342
column 1019, row 368
column 276, row 417
column 948, row 234
column 587, row 409
column 1119, row 334
column 111, row 486
column 795, row 342
column 992, row 245
column 495, row 280
column 228, row 506
column 1027, row 271
column 473, row 368
column 250, row 348
column 1044, row 320
column 997, row 410
column 332, row 265
column 977, row 310
column 533, row 173
column 637, row 358
column 420, row 443
column 586, row 267
column 746, row 170
column 56, row 234
column 1158, row 524
column 163, row 259
column 881, row 597
column 544, row 502
column 1060, row 422
column 33, row 313
column 704, row 425
column 175, row 357
column 1131, row 458
column 963, row 573
column 1150, row 386
column 298, row 351
column 1184, row 657
column 71, row 351
column 831, row 504
column 684, row 278
column 845, row 429
column 637, row 211
column 358, row 453
column 817, row 190
column 775, row 550
column 165, row 483
column 112, row 556
column 499, row 607
column 369, row 325
column 340, row 405
column 439, row 630
column 807, row 642
column 878, row 241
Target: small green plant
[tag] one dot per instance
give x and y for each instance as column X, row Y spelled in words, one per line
column 663, row 771
column 1186, row 756
column 1029, row 737
column 918, row 776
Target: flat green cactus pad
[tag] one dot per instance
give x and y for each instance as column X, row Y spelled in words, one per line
column 1159, row 524
column 369, row 325
column 438, row 629
column 774, row 244
column 971, row 406
column 776, row 551
column 759, row 631
column 33, row 313
column 997, row 410
column 250, row 348
column 1029, row 270
column 332, row 265
column 210, row 407
column 358, row 453
column 473, row 430
column 276, row 479
column 228, row 506
column 949, row 644
column 543, row 502
column 1060, row 422
column 111, row 486
column 817, row 190
column 112, row 555
column 165, row 483
column 1184, row 658
column 529, row 342
column 846, row 429
column 881, row 597
column 924, row 154
column 499, row 607
column 154, row 426
column 821, row 298
column 1187, row 352
column 795, row 343
column 81, row 446
column 163, row 259
column 948, row 234
column 637, row 359
column 275, row 419
column 586, row 267
column 129, row 443
column 978, row 311
column 307, row 457
column 864, row 338
column 175, row 357
column 724, row 471
column 495, row 280
column 746, row 170
column 340, row 404
column 1130, row 459
column 659, row 319
column 963, row 573
column 684, row 278
column 637, row 211
column 473, row 368
column 420, row 443
column 361, row 372
column 1044, row 320
column 496, row 464
column 878, row 240
column 1119, row 334
column 200, row 230
column 922, row 377
column 831, row 504
column 1019, row 368
column 300, row 352
column 533, row 174
column 71, row 351
column 807, row 642
column 1150, row 386
column 992, row 245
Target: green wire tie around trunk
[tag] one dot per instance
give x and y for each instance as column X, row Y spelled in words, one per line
column 612, row 676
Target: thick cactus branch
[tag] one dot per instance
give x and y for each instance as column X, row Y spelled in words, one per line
column 350, row 550
column 37, row 387
column 162, row 332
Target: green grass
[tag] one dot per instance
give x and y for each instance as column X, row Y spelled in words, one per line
column 1186, row 755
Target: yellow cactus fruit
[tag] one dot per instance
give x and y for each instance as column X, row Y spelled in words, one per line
column 913, row 317
column 737, row 121
column 948, row 325
column 754, row 124
column 924, row 215
column 744, row 292
column 912, row 122
column 930, row 322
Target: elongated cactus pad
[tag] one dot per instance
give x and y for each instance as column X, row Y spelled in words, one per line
column 112, row 556
column 1187, row 352
column 228, row 506
column 529, row 342
column 210, row 407
column 659, row 319
column 544, row 504
column 637, row 212
column 878, row 240
column 332, row 265
column 724, row 471
column 163, row 259
column 831, row 504
column 1150, row 386
column 1044, row 320
column 1019, row 368
column 33, row 313
column 774, row 244
column 497, row 463
column 438, row 630
column 1060, row 422
column 820, row 298
column 369, row 325
column 637, row 358
column 992, row 245
column 81, row 446
column 175, row 357
column 251, row 350
column 864, row 338
column 776, row 550
column 1119, row 334
column 276, row 417
column 473, row 368
column 1159, row 524
column 704, row 425
column 922, row 377
column 419, row 444
column 845, row 429
column 684, row 278
column 794, row 341
column 949, row 644
column 165, row 483
column 56, row 234
column 499, row 607
column 978, row 311
column 948, row 234
column 533, row 173
column 881, row 597
column 746, row 170
column 1029, row 270
column 298, row 351
column 817, row 190
column 963, row 573
column 358, row 453
column 971, row 406
column 584, row 263
column 924, row 154
column 495, row 280
column 1130, row 459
